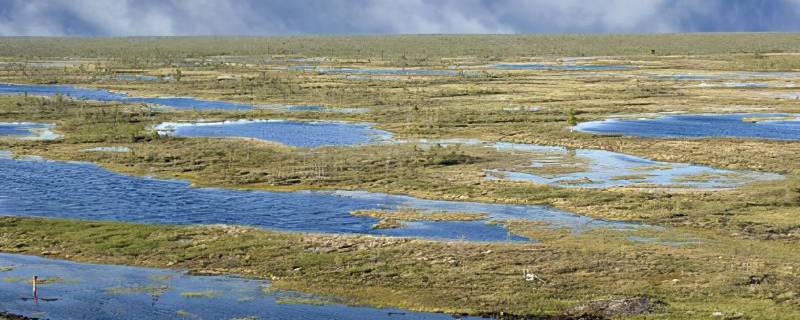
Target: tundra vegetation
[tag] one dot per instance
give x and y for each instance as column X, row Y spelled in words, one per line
column 730, row 252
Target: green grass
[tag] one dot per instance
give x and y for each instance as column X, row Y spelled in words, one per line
column 142, row 52
column 451, row 277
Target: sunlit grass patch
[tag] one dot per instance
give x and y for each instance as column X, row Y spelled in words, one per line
column 50, row 280
column 153, row 290
column 393, row 219
column 788, row 217
column 13, row 279
column 199, row 294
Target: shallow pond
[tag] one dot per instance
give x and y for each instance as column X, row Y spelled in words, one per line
column 34, row 187
column 793, row 96
column 562, row 67
column 95, row 291
column 727, row 75
column 28, row 130
column 106, row 95
column 734, row 84
column 601, row 169
column 293, row 133
column 140, row 77
column 782, row 127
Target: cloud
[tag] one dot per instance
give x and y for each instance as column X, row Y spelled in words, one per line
column 275, row 17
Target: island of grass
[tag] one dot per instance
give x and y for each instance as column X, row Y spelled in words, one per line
column 392, row 219
column 768, row 118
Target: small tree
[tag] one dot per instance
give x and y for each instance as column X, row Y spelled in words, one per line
column 571, row 117
column 178, row 74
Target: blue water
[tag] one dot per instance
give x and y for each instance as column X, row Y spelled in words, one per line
column 698, row 126
column 31, row 130
column 293, row 133
column 602, row 169
column 106, row 95
column 20, row 128
column 568, row 67
column 96, row 291
column 84, row 191
column 304, row 108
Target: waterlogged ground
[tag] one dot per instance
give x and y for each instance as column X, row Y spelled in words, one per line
column 601, row 169
column 293, row 133
column 139, row 77
column 92, row 291
column 559, row 67
column 589, row 168
column 28, row 130
column 381, row 71
column 34, row 187
column 729, row 75
column 762, row 126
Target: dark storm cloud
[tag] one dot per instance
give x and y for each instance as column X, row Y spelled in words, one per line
column 271, row 17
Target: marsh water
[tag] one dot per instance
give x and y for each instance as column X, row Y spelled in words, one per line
column 589, row 168
column 293, row 133
column 106, row 95
column 561, row 67
column 140, row 77
column 28, row 130
column 380, row 71
column 729, row 75
column 172, row 102
column 35, row 187
column 95, row 291
column 767, row 126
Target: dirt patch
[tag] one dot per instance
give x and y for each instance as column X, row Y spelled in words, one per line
column 601, row 309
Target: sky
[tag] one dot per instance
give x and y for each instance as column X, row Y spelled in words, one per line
column 293, row 17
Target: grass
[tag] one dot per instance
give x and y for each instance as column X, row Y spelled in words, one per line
column 199, row 294
column 774, row 118
column 389, row 219
column 744, row 232
column 405, row 50
column 153, row 290
column 474, row 278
